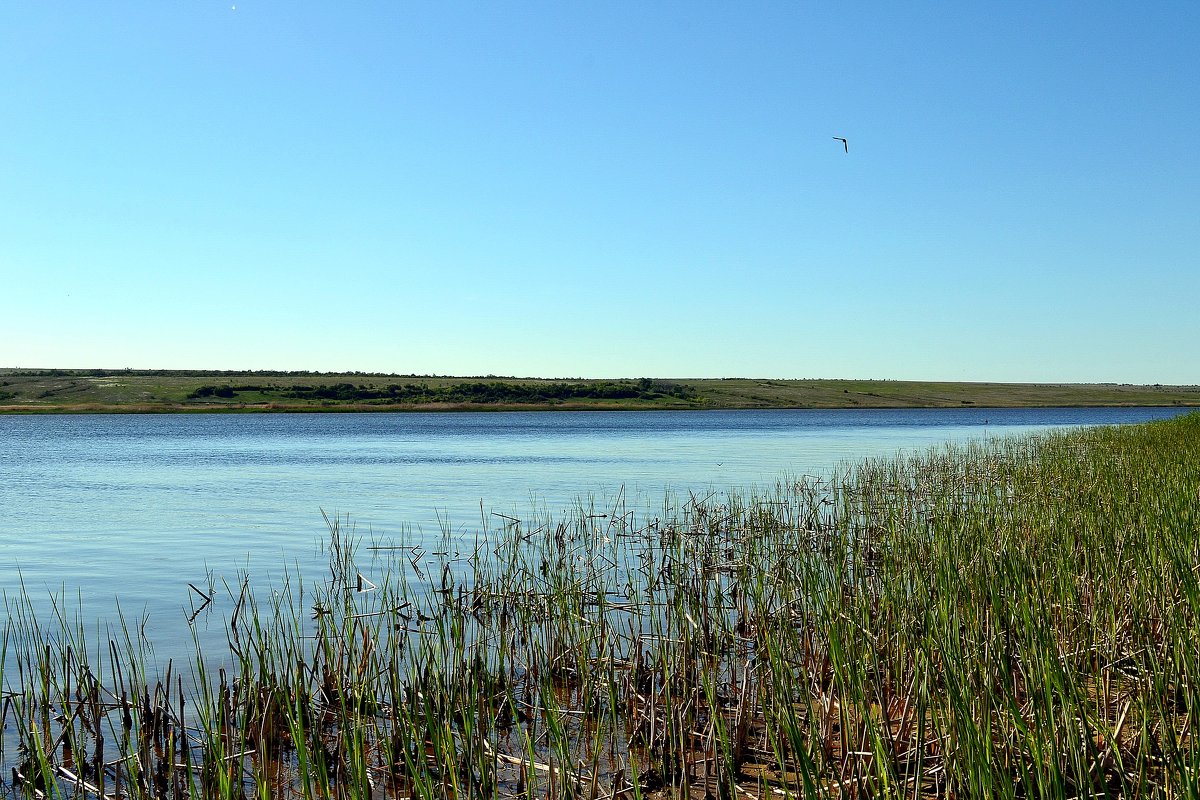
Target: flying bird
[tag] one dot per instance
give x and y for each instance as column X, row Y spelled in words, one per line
column 845, row 144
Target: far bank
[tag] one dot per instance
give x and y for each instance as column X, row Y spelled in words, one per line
column 168, row 391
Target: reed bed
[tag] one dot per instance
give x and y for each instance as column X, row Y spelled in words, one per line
column 1009, row 619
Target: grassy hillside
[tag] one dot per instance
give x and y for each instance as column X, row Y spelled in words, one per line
column 83, row 391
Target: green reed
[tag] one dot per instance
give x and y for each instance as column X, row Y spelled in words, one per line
column 1008, row 619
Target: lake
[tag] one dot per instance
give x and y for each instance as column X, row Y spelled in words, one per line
column 135, row 507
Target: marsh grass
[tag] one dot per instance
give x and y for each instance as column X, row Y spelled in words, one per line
column 1010, row 619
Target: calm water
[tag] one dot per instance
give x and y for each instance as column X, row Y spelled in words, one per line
column 135, row 507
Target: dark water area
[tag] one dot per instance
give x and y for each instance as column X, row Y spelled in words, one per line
column 133, row 508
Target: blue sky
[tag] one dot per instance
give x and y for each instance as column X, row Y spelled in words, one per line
column 603, row 189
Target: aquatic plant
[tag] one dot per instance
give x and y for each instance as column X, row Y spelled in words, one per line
column 1016, row 618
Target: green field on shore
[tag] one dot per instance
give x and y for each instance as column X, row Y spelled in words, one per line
column 99, row 390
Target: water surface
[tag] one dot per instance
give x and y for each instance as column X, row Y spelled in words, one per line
column 137, row 506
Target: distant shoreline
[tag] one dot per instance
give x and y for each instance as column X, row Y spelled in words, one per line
column 183, row 392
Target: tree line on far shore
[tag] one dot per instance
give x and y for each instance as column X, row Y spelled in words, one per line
column 470, row 392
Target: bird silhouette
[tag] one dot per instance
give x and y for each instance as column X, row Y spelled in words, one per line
column 845, row 144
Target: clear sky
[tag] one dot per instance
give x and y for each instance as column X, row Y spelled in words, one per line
column 603, row 189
